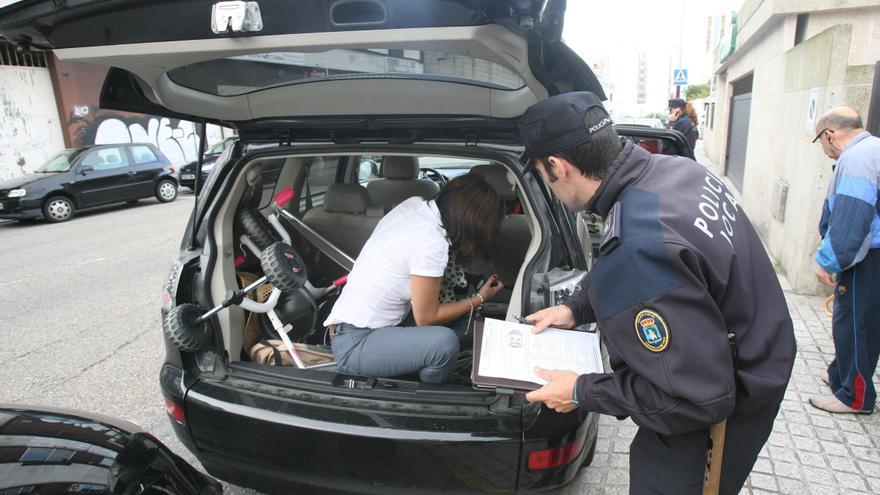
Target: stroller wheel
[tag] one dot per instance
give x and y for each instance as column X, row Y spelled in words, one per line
column 182, row 328
column 254, row 225
column 284, row 267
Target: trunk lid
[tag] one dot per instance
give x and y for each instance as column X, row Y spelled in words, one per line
column 313, row 58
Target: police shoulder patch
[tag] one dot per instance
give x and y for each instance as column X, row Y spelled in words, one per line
column 652, row 331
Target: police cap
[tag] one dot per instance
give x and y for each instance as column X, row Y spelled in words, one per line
column 559, row 123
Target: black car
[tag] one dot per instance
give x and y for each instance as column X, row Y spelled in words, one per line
column 52, row 450
column 188, row 172
column 347, row 107
column 80, row 178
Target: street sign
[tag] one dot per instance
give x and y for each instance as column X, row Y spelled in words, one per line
column 680, row 77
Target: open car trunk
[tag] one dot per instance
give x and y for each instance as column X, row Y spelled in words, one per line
column 319, row 224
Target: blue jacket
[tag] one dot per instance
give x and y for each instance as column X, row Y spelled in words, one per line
column 850, row 224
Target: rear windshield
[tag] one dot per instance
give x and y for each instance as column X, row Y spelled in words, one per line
column 247, row 73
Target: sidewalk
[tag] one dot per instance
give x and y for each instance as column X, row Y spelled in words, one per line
column 809, row 452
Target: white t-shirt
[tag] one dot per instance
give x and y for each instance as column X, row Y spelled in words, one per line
column 409, row 240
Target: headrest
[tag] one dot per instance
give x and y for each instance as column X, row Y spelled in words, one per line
column 496, row 176
column 400, row 167
column 346, row 198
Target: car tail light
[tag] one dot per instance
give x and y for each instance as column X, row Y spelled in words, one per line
column 173, row 169
column 175, row 411
column 551, row 458
column 652, row 145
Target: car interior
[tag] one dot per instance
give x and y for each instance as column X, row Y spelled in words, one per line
column 342, row 198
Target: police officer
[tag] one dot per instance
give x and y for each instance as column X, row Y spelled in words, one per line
column 687, row 302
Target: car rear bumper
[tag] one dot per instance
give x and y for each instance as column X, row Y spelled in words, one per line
column 263, row 438
column 191, row 182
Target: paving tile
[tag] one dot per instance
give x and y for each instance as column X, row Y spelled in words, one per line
column 844, row 464
column 851, row 481
column 763, row 481
column 787, row 469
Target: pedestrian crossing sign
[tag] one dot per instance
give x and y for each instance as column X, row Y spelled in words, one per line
column 680, row 77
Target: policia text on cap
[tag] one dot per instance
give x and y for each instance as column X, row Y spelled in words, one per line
column 687, row 302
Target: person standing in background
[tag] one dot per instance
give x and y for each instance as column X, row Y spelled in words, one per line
column 683, row 118
column 849, row 260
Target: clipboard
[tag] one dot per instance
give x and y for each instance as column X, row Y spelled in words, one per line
column 482, row 381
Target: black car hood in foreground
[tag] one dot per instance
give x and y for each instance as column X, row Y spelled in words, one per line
column 48, row 450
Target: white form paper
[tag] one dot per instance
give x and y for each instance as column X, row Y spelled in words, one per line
column 510, row 350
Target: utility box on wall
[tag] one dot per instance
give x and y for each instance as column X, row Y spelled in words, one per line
column 780, row 194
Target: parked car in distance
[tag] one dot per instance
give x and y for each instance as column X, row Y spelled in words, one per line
column 188, row 171
column 652, row 122
column 52, row 450
column 80, row 178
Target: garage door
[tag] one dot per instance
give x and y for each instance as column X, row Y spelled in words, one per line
column 738, row 138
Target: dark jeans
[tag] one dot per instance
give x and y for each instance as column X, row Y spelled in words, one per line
column 856, row 331
column 675, row 464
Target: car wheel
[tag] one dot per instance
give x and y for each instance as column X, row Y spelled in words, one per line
column 166, row 191
column 58, row 209
column 253, row 224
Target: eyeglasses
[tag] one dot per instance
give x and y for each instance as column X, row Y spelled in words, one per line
column 823, row 131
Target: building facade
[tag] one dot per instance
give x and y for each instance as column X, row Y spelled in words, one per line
column 31, row 129
column 793, row 60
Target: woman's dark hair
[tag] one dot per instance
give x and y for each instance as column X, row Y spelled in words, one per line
column 471, row 214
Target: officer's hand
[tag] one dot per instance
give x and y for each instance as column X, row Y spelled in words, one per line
column 825, row 277
column 557, row 316
column 557, row 394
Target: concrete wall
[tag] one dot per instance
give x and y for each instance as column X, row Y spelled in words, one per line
column 30, row 131
column 832, row 67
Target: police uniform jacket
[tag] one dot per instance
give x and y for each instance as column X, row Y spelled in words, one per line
column 681, row 268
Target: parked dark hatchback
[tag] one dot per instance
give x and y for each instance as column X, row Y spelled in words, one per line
column 321, row 92
column 187, row 174
column 80, row 178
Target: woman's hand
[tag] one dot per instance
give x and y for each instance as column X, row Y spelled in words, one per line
column 490, row 288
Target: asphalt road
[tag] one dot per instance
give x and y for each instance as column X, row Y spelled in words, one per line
column 80, row 325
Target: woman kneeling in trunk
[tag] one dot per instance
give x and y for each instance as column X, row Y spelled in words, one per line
column 400, row 269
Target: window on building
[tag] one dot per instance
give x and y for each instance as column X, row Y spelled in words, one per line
column 712, row 116
column 800, row 30
column 9, row 55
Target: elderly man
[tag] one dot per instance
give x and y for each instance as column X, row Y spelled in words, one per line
column 849, row 260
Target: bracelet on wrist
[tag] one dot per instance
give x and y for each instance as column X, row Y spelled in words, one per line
column 482, row 301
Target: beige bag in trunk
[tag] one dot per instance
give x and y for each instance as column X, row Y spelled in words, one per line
column 274, row 352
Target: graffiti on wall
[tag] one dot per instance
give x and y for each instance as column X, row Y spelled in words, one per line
column 178, row 139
